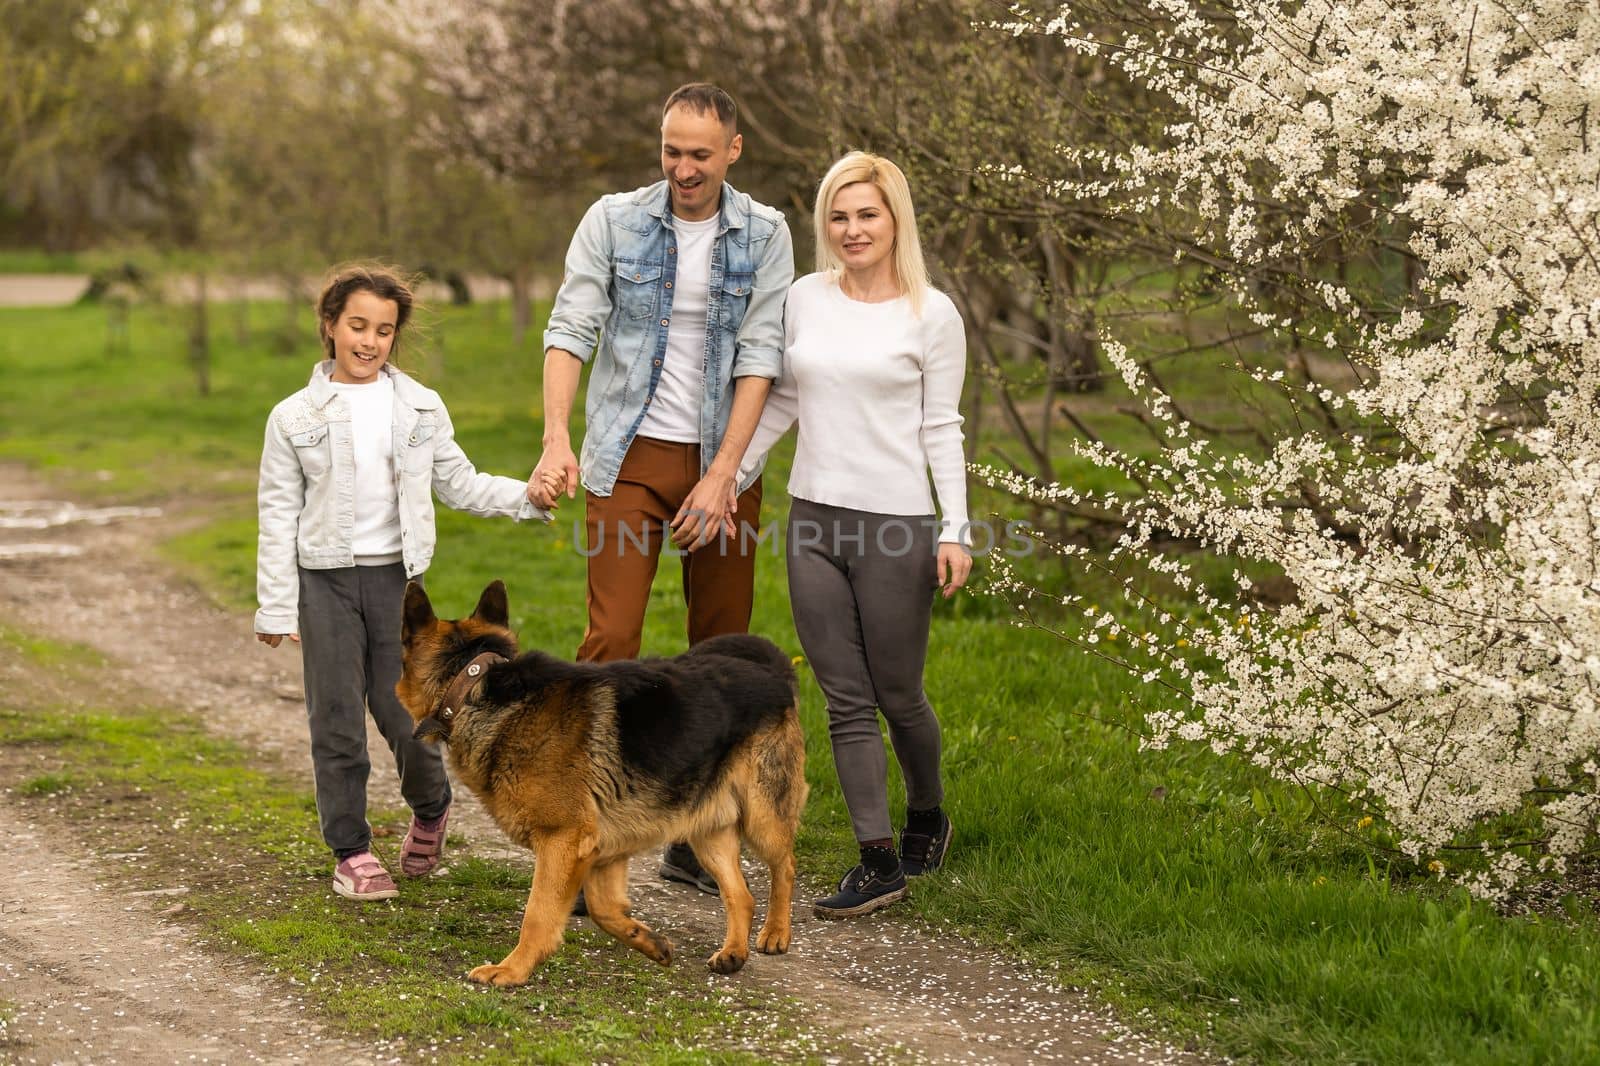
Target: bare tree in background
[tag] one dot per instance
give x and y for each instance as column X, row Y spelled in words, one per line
column 546, row 105
column 273, row 139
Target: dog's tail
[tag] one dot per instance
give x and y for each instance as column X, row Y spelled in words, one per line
column 758, row 650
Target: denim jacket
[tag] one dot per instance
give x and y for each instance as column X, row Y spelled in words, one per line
column 306, row 496
column 617, row 292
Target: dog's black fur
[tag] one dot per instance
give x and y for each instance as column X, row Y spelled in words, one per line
column 678, row 719
column 587, row 763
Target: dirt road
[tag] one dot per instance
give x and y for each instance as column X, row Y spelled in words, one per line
column 93, row 976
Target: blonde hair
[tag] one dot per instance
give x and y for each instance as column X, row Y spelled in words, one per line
column 910, row 272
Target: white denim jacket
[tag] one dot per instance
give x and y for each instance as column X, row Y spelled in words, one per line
column 306, row 497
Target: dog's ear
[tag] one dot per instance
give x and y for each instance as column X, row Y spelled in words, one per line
column 417, row 613
column 492, row 605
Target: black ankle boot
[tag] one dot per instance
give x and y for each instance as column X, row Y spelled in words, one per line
column 925, row 841
column 877, row 882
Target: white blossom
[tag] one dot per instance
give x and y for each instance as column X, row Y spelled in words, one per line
column 1441, row 660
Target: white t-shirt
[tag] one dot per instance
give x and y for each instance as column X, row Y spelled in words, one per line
column 377, row 502
column 877, row 392
column 674, row 413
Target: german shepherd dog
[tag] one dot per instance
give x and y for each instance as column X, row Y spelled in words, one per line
column 588, row 763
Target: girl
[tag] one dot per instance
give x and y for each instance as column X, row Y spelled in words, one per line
column 873, row 365
column 348, row 473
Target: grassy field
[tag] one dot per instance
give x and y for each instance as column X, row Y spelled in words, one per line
column 1174, row 882
column 32, row 261
column 391, row 974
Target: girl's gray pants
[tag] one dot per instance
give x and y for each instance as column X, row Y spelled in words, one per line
column 350, row 643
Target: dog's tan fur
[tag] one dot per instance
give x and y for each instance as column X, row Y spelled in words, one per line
column 552, row 772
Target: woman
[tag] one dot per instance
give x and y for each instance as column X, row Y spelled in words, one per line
column 873, row 364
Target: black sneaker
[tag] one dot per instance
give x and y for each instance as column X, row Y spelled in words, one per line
column 678, row 863
column 861, row 892
column 921, row 853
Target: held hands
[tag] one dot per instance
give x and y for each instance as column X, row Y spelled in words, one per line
column 955, row 563
column 557, row 472
column 272, row 640
column 709, row 508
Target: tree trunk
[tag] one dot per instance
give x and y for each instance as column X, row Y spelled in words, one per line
column 200, row 338
column 1082, row 352
column 1074, row 364
column 289, row 334
column 241, row 314
column 117, row 324
column 521, row 303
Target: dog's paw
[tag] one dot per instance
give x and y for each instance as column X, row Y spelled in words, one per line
column 659, row 947
column 773, row 941
column 726, row 962
column 649, row 943
column 497, row 975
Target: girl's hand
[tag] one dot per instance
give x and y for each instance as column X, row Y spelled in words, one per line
column 955, row 563
column 547, row 485
column 272, row 640
column 556, row 472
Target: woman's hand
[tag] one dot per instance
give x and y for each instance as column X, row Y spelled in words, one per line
column 708, row 510
column 955, row 563
column 272, row 640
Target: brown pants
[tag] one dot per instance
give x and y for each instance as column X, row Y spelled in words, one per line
column 626, row 532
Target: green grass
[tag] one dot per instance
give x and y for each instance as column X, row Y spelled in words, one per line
column 391, row 972
column 48, row 653
column 1175, row 882
column 47, row 785
column 35, row 261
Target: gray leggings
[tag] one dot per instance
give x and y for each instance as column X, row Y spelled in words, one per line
column 350, row 644
column 861, row 587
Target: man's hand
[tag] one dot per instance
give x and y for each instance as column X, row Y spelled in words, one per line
column 558, row 467
column 709, row 508
column 272, row 640
column 955, row 563
column 713, row 504
column 557, row 470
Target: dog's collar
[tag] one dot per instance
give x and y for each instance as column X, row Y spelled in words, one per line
column 444, row 715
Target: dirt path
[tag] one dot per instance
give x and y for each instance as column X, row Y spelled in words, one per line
column 41, row 290
column 88, row 984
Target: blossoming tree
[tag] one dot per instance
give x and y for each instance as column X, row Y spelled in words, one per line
column 1440, row 657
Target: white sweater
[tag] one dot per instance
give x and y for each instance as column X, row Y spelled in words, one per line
column 877, row 392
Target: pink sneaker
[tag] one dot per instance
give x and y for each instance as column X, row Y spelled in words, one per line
column 362, row 876
column 424, row 846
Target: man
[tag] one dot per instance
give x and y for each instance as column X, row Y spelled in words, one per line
column 681, row 284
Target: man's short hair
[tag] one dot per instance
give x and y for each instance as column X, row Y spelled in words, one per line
column 702, row 97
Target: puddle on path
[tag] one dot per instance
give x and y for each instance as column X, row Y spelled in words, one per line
column 35, row 516
column 48, row 514
column 38, row 551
